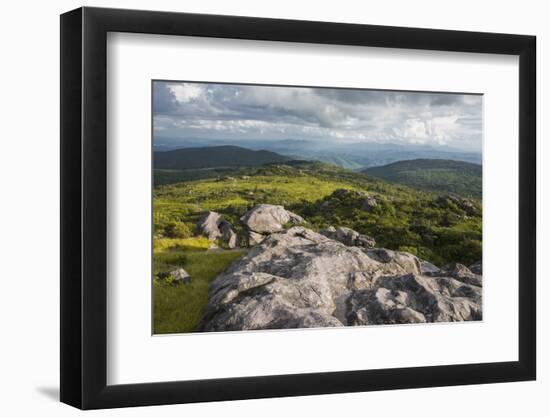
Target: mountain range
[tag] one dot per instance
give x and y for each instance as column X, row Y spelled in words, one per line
column 353, row 155
column 214, row 157
column 436, row 175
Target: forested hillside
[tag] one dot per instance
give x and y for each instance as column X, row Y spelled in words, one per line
column 439, row 175
column 214, row 156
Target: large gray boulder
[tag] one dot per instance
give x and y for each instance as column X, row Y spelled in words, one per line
column 213, row 226
column 268, row 218
column 208, row 225
column 299, row 278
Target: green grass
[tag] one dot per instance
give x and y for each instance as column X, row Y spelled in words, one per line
column 215, row 194
column 193, row 243
column 179, row 308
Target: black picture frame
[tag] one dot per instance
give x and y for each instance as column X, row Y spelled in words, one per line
column 84, row 207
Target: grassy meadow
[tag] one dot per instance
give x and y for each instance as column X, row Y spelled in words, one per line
column 179, row 308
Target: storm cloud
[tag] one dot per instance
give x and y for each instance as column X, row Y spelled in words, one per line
column 230, row 111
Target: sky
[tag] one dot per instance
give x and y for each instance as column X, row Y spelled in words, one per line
column 186, row 110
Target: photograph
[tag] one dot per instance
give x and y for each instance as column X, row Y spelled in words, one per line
column 302, row 205
column 288, row 207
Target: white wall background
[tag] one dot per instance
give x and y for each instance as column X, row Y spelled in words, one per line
column 29, row 225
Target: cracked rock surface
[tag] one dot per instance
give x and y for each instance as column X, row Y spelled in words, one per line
column 298, row 278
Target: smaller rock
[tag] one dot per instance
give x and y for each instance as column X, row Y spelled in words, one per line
column 180, row 276
column 214, row 227
column 329, row 231
column 369, row 204
column 365, row 241
column 268, row 218
column 462, row 274
column 348, row 237
column 462, row 203
column 208, row 225
column 229, row 237
column 468, row 207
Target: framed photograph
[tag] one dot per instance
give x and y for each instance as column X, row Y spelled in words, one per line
column 258, row 208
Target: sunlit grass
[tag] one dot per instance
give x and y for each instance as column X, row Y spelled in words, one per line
column 179, row 308
column 192, row 243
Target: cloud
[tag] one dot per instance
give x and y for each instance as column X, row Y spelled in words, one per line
column 164, row 100
column 227, row 111
column 185, row 92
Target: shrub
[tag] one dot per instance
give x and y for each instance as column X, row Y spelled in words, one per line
column 177, row 230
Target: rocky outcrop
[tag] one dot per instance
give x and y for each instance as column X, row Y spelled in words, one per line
column 462, row 203
column 348, row 237
column 299, row 278
column 214, row 227
column 414, row 299
column 265, row 219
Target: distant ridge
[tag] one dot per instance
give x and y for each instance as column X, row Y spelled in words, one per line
column 439, row 175
column 215, row 157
